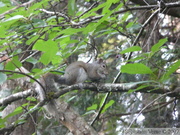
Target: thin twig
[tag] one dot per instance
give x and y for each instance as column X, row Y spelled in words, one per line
column 148, row 106
column 30, row 46
column 90, row 19
column 147, row 111
column 11, row 10
column 56, row 13
column 91, row 7
column 22, row 118
column 144, row 25
column 16, row 72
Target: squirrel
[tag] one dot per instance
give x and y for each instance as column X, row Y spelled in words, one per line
column 76, row 72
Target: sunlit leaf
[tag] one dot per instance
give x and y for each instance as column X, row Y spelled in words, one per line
column 139, row 88
column 93, row 107
column 49, row 49
column 31, row 99
column 71, row 7
column 20, row 121
column 157, row 46
column 171, row 70
column 18, row 110
column 14, row 18
column 131, row 49
column 109, row 104
column 136, row 68
column 13, row 63
column 136, row 58
column 32, row 60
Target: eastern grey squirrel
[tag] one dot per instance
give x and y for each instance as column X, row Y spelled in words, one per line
column 77, row 72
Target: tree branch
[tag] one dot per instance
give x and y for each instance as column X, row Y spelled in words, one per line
column 68, row 121
column 14, row 97
column 11, row 10
column 25, row 74
column 90, row 19
column 56, row 13
column 152, row 108
column 101, row 88
column 22, row 118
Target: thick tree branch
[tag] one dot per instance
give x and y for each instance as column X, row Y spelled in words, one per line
column 101, row 88
column 66, row 108
column 14, row 97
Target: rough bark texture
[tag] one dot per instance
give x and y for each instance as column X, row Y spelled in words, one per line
column 18, row 85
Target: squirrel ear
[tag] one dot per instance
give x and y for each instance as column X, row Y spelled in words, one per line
column 100, row 61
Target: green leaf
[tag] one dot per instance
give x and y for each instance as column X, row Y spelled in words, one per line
column 136, row 59
column 15, row 76
column 108, row 5
column 139, row 88
column 49, row 48
column 32, row 60
column 3, row 78
column 3, row 32
column 91, row 12
column 15, row 18
column 93, row 107
column 156, row 47
column 13, row 64
column 65, row 40
column 34, row 38
column 130, row 24
column 57, row 59
column 171, row 70
column 70, row 31
column 131, row 49
column 20, row 121
column 109, row 104
column 18, row 110
column 31, row 99
column 125, row 16
column 36, row 6
column 71, row 7
column 136, row 68
column 2, row 123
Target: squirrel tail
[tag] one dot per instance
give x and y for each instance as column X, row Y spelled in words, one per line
column 60, row 79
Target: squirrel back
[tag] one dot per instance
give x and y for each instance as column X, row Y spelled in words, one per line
column 78, row 72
